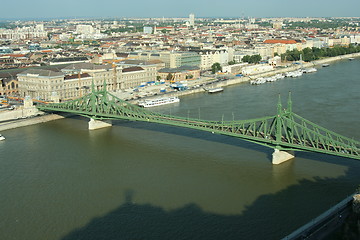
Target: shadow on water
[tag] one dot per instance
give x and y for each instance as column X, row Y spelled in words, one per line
column 271, row 216
column 187, row 132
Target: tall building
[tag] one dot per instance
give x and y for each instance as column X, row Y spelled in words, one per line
column 192, row 19
column 148, row 30
column 277, row 25
column 85, row 29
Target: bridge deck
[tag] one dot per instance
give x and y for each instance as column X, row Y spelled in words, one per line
column 286, row 130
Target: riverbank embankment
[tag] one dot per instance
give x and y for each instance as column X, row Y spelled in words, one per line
column 23, row 122
column 214, row 83
column 340, row 220
column 28, row 116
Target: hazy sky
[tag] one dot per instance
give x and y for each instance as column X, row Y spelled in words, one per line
column 182, row 8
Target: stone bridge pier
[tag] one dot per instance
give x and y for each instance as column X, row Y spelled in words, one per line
column 97, row 124
column 280, row 156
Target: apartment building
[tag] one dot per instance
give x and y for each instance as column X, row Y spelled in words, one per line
column 28, row 32
column 76, row 80
column 209, row 57
column 171, row 59
column 180, row 73
column 40, row 83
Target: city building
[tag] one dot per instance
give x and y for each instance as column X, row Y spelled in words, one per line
column 172, row 59
column 209, row 57
column 148, row 30
column 234, row 69
column 24, row 33
column 255, row 69
column 192, row 19
column 75, row 80
column 180, row 73
column 8, row 83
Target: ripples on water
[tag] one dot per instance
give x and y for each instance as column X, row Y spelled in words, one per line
column 147, row 181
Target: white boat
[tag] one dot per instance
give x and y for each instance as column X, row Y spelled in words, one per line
column 310, row 70
column 158, row 102
column 2, row 137
column 351, row 58
column 258, row 81
column 294, row 74
column 271, row 79
column 215, row 90
column 279, row 76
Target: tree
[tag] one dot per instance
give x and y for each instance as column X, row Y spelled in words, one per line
column 246, row 58
column 232, row 62
column 251, row 59
column 216, row 67
column 255, row 58
column 169, row 76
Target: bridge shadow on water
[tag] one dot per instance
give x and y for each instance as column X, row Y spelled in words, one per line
column 197, row 134
column 208, row 136
column 218, row 138
column 271, row 216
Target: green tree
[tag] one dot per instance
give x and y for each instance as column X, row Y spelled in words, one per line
column 255, row 58
column 216, row 67
column 169, row 76
column 232, row 62
column 251, row 59
column 246, row 58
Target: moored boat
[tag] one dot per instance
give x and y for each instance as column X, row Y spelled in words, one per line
column 158, row 101
column 214, row 90
column 325, row 65
column 351, row 58
column 310, row 70
column 2, row 137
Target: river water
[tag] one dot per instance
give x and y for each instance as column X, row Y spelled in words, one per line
column 59, row 181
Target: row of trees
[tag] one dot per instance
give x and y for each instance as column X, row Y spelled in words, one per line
column 318, row 24
column 311, row 54
column 251, row 59
column 307, row 55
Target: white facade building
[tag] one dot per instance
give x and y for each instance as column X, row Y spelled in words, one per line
column 258, row 68
column 209, row 57
column 31, row 32
column 85, row 29
column 192, row 19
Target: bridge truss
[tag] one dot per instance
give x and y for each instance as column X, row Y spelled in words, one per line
column 284, row 131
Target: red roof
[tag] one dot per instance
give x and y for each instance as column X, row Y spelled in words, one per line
column 157, row 28
column 15, row 55
column 283, row 41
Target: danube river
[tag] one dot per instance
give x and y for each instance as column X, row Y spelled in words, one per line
column 59, row 181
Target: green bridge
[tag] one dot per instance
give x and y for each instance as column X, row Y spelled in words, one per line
column 285, row 132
